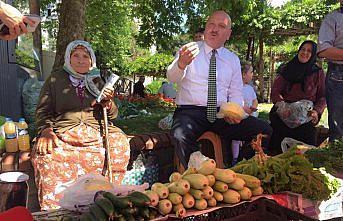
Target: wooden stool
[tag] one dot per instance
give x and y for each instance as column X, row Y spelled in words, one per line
column 217, row 147
column 216, row 143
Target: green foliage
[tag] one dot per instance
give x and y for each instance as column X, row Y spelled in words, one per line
column 290, row 171
column 110, row 30
column 25, row 59
column 24, row 53
column 2, row 120
column 152, row 65
column 154, row 86
column 159, row 21
column 330, row 157
column 115, row 27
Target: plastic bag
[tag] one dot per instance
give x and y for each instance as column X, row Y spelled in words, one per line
column 145, row 169
column 82, row 191
column 196, row 159
column 166, row 123
column 288, row 142
column 294, row 114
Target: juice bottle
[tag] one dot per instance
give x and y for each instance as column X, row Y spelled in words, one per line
column 11, row 141
column 23, row 135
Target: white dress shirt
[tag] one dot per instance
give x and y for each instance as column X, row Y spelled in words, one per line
column 192, row 83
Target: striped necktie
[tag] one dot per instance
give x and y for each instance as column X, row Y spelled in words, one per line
column 211, row 110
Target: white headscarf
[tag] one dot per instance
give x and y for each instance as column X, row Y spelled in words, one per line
column 82, row 79
column 71, row 46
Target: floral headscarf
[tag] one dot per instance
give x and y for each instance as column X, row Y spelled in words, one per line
column 82, row 79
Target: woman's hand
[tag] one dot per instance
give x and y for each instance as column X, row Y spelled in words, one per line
column 313, row 114
column 108, row 93
column 107, row 97
column 46, row 142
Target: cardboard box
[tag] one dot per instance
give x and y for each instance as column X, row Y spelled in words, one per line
column 293, row 201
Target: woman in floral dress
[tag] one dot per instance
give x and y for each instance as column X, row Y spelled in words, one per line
column 70, row 125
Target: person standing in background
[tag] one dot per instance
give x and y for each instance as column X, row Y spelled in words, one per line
column 199, row 35
column 138, row 88
column 167, row 90
column 330, row 46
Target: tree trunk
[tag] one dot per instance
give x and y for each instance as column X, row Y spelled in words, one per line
column 250, row 42
column 271, row 73
column 253, row 51
column 71, row 27
column 261, row 69
column 37, row 36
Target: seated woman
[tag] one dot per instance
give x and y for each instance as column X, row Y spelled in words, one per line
column 70, row 123
column 299, row 79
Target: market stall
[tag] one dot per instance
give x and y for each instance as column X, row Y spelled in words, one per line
column 284, row 187
column 295, row 185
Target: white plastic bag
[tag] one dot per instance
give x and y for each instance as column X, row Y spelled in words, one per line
column 82, row 191
column 166, row 123
column 196, row 159
column 294, row 114
column 288, row 142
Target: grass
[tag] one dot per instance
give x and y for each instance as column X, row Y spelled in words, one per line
column 149, row 123
column 143, row 124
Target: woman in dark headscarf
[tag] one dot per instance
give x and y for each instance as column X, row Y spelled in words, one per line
column 299, row 79
column 69, row 123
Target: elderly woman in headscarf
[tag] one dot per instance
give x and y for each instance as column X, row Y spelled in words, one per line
column 70, row 124
column 299, row 79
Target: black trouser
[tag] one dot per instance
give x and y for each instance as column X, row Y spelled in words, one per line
column 305, row 133
column 190, row 122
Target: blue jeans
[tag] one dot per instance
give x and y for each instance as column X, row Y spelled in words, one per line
column 334, row 100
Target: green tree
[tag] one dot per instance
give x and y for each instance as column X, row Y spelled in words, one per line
column 152, row 65
column 71, row 27
column 110, row 28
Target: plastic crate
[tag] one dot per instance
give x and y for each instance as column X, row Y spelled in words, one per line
column 259, row 210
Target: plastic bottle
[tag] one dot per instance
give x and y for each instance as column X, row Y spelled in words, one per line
column 11, row 141
column 23, row 135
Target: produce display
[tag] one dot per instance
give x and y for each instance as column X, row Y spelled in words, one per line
column 107, row 206
column 206, row 186
column 290, row 171
column 330, row 157
column 202, row 188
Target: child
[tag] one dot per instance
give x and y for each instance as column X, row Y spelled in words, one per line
column 249, row 106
